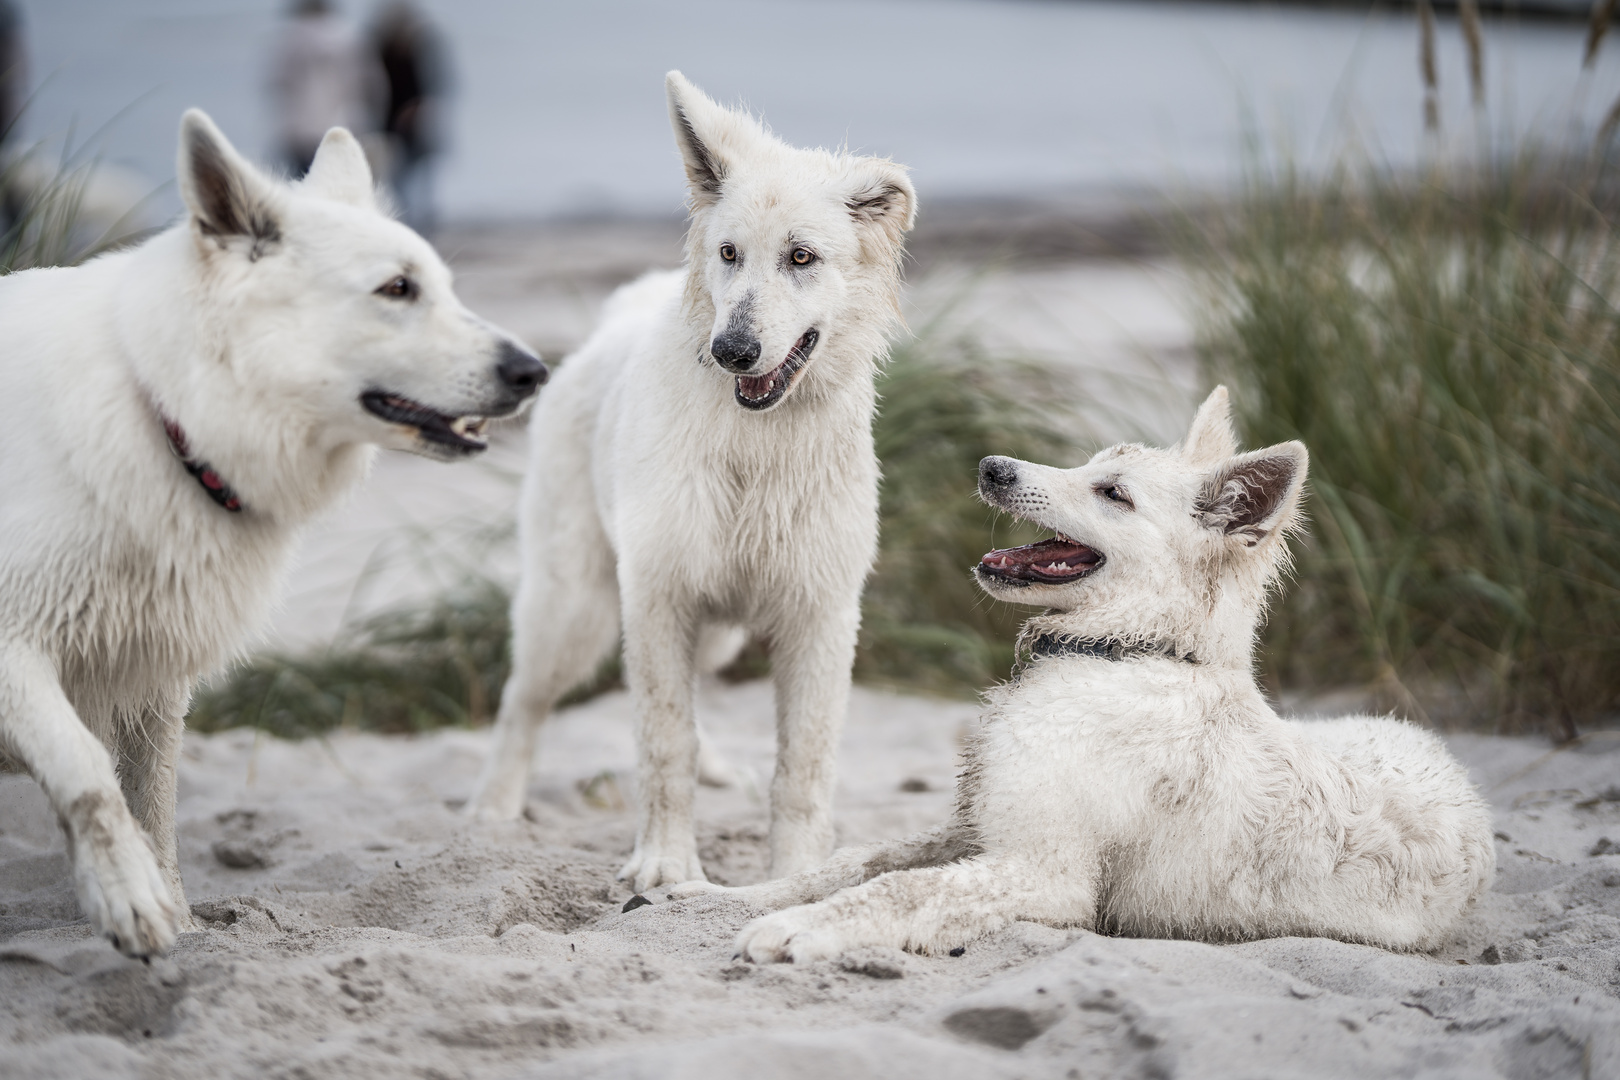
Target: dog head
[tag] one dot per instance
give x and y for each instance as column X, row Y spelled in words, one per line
column 323, row 305
column 1174, row 547
column 788, row 248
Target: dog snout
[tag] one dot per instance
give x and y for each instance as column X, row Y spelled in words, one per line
column 997, row 474
column 735, row 350
column 520, row 371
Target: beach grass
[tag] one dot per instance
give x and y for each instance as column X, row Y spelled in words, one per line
column 1448, row 347
column 42, row 210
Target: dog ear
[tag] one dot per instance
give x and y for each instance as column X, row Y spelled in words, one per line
column 228, row 198
column 710, row 136
column 1211, row 437
column 881, row 196
column 1253, row 495
column 340, row 171
column 702, row 130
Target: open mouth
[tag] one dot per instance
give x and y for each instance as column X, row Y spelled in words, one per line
column 1046, row 562
column 759, row 392
column 459, row 434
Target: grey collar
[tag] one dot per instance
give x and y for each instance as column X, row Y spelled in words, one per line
column 1051, row 645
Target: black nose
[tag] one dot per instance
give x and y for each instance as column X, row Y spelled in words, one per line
column 997, row 472
column 521, row 372
column 735, row 350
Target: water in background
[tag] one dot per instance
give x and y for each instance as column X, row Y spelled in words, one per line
column 559, row 106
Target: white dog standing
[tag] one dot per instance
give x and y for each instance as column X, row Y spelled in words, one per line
column 170, row 415
column 705, row 461
column 1132, row 778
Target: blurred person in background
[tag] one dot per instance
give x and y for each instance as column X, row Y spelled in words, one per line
column 322, row 76
column 411, row 55
column 13, row 70
column 13, row 92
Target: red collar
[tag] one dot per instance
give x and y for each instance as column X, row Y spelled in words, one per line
column 217, row 489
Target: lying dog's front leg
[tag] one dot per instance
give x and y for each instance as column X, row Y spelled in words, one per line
column 929, row 911
column 119, row 886
column 848, row 866
column 811, row 656
column 147, row 760
column 658, row 646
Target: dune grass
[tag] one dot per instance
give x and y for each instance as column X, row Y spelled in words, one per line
column 945, row 404
column 42, row 219
column 925, row 626
column 1448, row 347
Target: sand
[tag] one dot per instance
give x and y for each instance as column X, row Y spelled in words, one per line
column 358, row 925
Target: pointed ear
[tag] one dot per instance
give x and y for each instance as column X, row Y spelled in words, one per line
column 228, row 198
column 1251, row 496
column 340, row 171
column 881, row 196
column 707, row 135
column 1211, row 437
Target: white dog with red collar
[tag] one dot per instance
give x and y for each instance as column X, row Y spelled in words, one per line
column 170, row 415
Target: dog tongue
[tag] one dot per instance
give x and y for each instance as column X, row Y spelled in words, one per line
column 1046, row 556
column 756, row 386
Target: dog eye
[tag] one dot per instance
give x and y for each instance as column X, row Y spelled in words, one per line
column 803, row 256
column 400, row 288
column 728, row 253
column 1114, row 493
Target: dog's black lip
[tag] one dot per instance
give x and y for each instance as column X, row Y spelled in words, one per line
column 431, row 425
column 1035, row 577
column 797, row 357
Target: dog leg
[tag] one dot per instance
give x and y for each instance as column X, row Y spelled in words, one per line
column 658, row 646
column 848, row 867
column 148, row 755
column 811, row 660
column 717, row 646
column 929, row 911
column 565, row 620
column 115, row 874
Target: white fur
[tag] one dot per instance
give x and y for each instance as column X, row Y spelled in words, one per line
column 255, row 324
column 655, row 501
column 1154, row 794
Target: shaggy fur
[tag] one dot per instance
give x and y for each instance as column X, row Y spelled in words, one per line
column 705, row 461
column 256, row 324
column 1132, row 778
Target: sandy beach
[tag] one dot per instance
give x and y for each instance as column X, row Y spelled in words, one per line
column 354, row 923
column 357, row 925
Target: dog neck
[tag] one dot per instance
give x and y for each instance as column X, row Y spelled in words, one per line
column 180, row 368
column 200, row 470
column 1057, row 646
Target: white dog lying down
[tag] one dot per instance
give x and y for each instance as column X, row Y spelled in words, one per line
column 170, row 415
column 1132, row 778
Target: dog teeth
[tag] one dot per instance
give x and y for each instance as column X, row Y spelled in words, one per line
column 468, row 426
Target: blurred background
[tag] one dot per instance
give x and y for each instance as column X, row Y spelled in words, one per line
column 552, row 109
column 1386, row 225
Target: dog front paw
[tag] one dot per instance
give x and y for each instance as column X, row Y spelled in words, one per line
column 118, row 883
column 651, row 867
column 799, row 935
